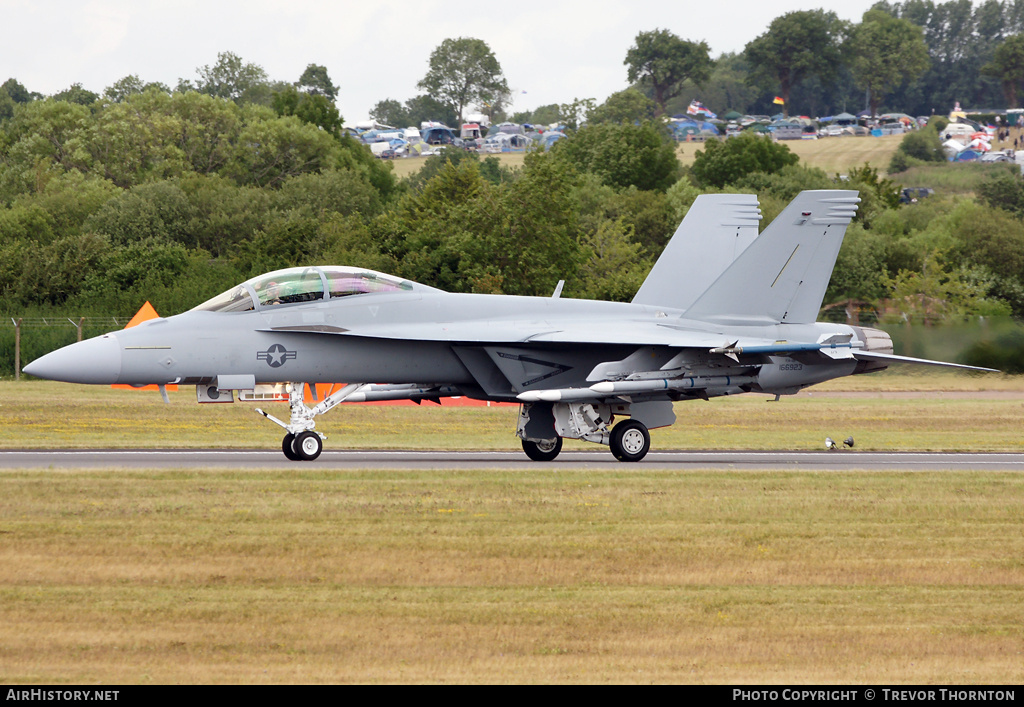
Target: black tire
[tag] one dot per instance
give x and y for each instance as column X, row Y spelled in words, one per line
column 307, row 446
column 630, row 441
column 543, row 451
column 287, row 448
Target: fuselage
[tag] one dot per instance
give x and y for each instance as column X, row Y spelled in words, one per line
column 412, row 336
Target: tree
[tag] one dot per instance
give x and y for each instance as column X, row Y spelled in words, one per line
column 313, row 108
column 77, row 94
column 415, row 111
column 464, row 71
column 626, row 106
column 1007, row 67
column 287, row 147
column 623, row 155
column 6, row 106
column 796, row 45
column 721, row 163
column 122, row 88
column 424, row 108
column 234, row 79
column 316, row 82
column 17, row 92
column 662, row 61
column 574, row 114
column 390, row 112
column 886, row 52
column 727, row 88
column 545, row 115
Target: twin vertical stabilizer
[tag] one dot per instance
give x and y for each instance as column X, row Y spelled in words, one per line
column 781, row 277
column 716, row 229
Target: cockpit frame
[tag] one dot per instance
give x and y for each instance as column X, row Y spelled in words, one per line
column 303, row 285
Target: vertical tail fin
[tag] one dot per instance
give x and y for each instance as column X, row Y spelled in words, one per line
column 716, row 229
column 783, row 275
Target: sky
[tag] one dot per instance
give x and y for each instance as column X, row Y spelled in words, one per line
column 550, row 52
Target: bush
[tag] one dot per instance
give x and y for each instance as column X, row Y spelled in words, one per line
column 924, row 145
column 901, row 162
column 1003, row 191
column 722, row 163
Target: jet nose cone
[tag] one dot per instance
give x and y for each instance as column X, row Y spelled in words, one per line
column 95, row 360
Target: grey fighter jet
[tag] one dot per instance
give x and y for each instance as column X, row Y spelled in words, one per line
column 724, row 311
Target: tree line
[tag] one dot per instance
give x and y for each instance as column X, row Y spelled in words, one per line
column 175, row 196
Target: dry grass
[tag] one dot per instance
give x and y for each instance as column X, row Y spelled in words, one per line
column 835, row 155
column 410, row 165
column 619, row 576
column 607, row 576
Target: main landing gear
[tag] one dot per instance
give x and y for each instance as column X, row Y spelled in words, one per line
column 542, row 426
column 543, row 451
column 630, row 441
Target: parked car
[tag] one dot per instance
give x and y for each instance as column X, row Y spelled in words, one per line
column 912, row 195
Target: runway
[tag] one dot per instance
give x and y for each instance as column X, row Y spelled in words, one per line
column 839, row 460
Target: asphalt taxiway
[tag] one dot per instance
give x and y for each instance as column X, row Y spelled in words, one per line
column 839, row 460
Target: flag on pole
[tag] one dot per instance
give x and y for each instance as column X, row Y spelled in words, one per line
column 697, row 108
column 778, row 100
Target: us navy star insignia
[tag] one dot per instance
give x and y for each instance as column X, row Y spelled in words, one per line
column 276, row 355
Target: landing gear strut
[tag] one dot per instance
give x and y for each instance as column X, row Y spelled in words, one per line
column 302, row 442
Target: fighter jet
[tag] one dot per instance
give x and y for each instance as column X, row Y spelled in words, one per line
column 724, row 311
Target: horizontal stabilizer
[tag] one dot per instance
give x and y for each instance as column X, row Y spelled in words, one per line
column 893, row 358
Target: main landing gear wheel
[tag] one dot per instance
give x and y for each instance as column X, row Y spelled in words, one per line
column 307, row 446
column 286, row 447
column 543, row 451
column 630, row 441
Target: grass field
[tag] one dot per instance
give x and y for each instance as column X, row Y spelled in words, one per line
column 627, row 575
column 835, row 155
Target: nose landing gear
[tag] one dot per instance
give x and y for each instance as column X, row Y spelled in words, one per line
column 303, row 447
column 302, row 442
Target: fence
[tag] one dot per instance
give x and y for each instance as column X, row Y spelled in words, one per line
column 43, row 344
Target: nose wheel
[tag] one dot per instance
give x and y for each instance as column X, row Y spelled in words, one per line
column 286, row 447
column 303, row 447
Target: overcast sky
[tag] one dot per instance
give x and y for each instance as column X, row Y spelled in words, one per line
column 551, row 52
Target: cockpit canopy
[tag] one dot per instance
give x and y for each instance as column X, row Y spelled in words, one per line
column 298, row 285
